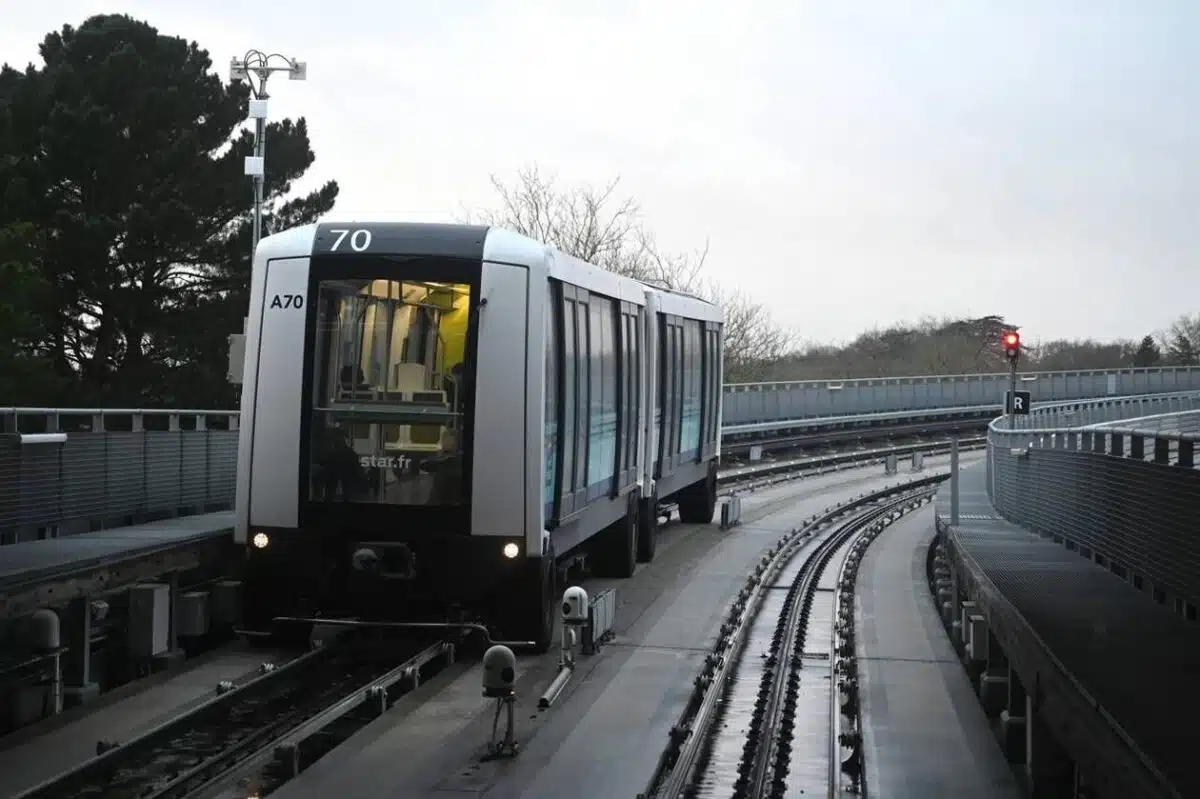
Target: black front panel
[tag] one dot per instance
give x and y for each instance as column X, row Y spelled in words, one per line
column 309, row 572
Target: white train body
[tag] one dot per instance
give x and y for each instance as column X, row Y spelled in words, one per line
column 419, row 428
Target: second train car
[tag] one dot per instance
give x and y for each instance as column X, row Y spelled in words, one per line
column 434, row 415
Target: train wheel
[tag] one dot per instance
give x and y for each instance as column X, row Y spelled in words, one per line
column 547, row 605
column 647, row 534
column 617, row 545
column 698, row 502
column 531, row 616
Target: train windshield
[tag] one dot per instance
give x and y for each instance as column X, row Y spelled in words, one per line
column 391, row 392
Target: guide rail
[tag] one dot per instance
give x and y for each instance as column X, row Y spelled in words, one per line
column 234, row 729
column 756, row 726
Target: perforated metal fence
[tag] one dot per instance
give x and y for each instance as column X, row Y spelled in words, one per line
column 1123, row 491
column 746, row 403
column 67, row 472
column 1077, row 414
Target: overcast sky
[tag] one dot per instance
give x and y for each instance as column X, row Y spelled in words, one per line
column 850, row 166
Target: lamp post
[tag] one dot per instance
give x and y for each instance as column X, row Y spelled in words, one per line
column 257, row 64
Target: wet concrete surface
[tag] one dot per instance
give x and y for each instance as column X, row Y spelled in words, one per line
column 604, row 735
column 925, row 734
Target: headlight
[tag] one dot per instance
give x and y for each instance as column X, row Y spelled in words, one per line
column 511, row 550
column 260, row 540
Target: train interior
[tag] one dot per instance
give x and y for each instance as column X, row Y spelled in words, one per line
column 390, row 388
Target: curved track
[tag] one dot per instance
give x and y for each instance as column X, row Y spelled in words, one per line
column 765, row 720
column 257, row 727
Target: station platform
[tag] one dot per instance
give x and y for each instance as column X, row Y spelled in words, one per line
column 925, row 735
column 1109, row 671
column 36, row 573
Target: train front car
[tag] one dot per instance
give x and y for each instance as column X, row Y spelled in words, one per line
column 385, row 470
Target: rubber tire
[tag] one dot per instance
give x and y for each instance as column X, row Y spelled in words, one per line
column 532, row 617
column 647, row 534
column 617, row 544
column 547, row 605
column 698, row 502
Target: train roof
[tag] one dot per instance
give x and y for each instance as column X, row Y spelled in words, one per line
column 491, row 242
column 676, row 292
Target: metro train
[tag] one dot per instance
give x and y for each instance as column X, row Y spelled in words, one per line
column 434, row 416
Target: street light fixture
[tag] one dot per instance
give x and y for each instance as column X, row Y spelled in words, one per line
column 257, row 64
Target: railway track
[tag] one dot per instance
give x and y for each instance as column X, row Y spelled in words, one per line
column 775, row 711
column 787, row 471
column 265, row 721
column 251, row 739
column 973, row 425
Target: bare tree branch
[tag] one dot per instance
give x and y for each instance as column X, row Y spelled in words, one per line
column 597, row 226
column 592, row 224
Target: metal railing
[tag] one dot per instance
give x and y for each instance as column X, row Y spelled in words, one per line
column 748, row 403
column 69, row 471
column 1116, row 481
column 1078, row 414
column 66, row 471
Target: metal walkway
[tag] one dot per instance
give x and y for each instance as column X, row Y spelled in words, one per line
column 1112, row 670
column 36, row 573
column 924, row 732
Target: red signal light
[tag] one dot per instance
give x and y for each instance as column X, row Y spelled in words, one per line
column 1012, row 345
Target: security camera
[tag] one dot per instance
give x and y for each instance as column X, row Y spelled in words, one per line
column 365, row 560
column 575, row 605
column 499, row 672
column 99, row 609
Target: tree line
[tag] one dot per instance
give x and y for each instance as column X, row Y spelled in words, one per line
column 972, row 345
column 125, row 240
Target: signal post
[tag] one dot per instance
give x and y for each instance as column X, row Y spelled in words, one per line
column 1014, row 403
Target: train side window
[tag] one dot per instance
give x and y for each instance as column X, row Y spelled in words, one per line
column 608, row 393
column 689, row 397
column 655, row 389
column 695, row 336
column 680, row 389
column 632, row 363
column 595, row 400
column 690, row 428
column 586, row 348
column 666, row 391
column 635, row 386
column 685, row 380
column 639, row 382
column 706, row 401
column 621, row 344
column 718, row 389
column 677, row 385
column 552, row 387
column 570, row 372
column 712, row 385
